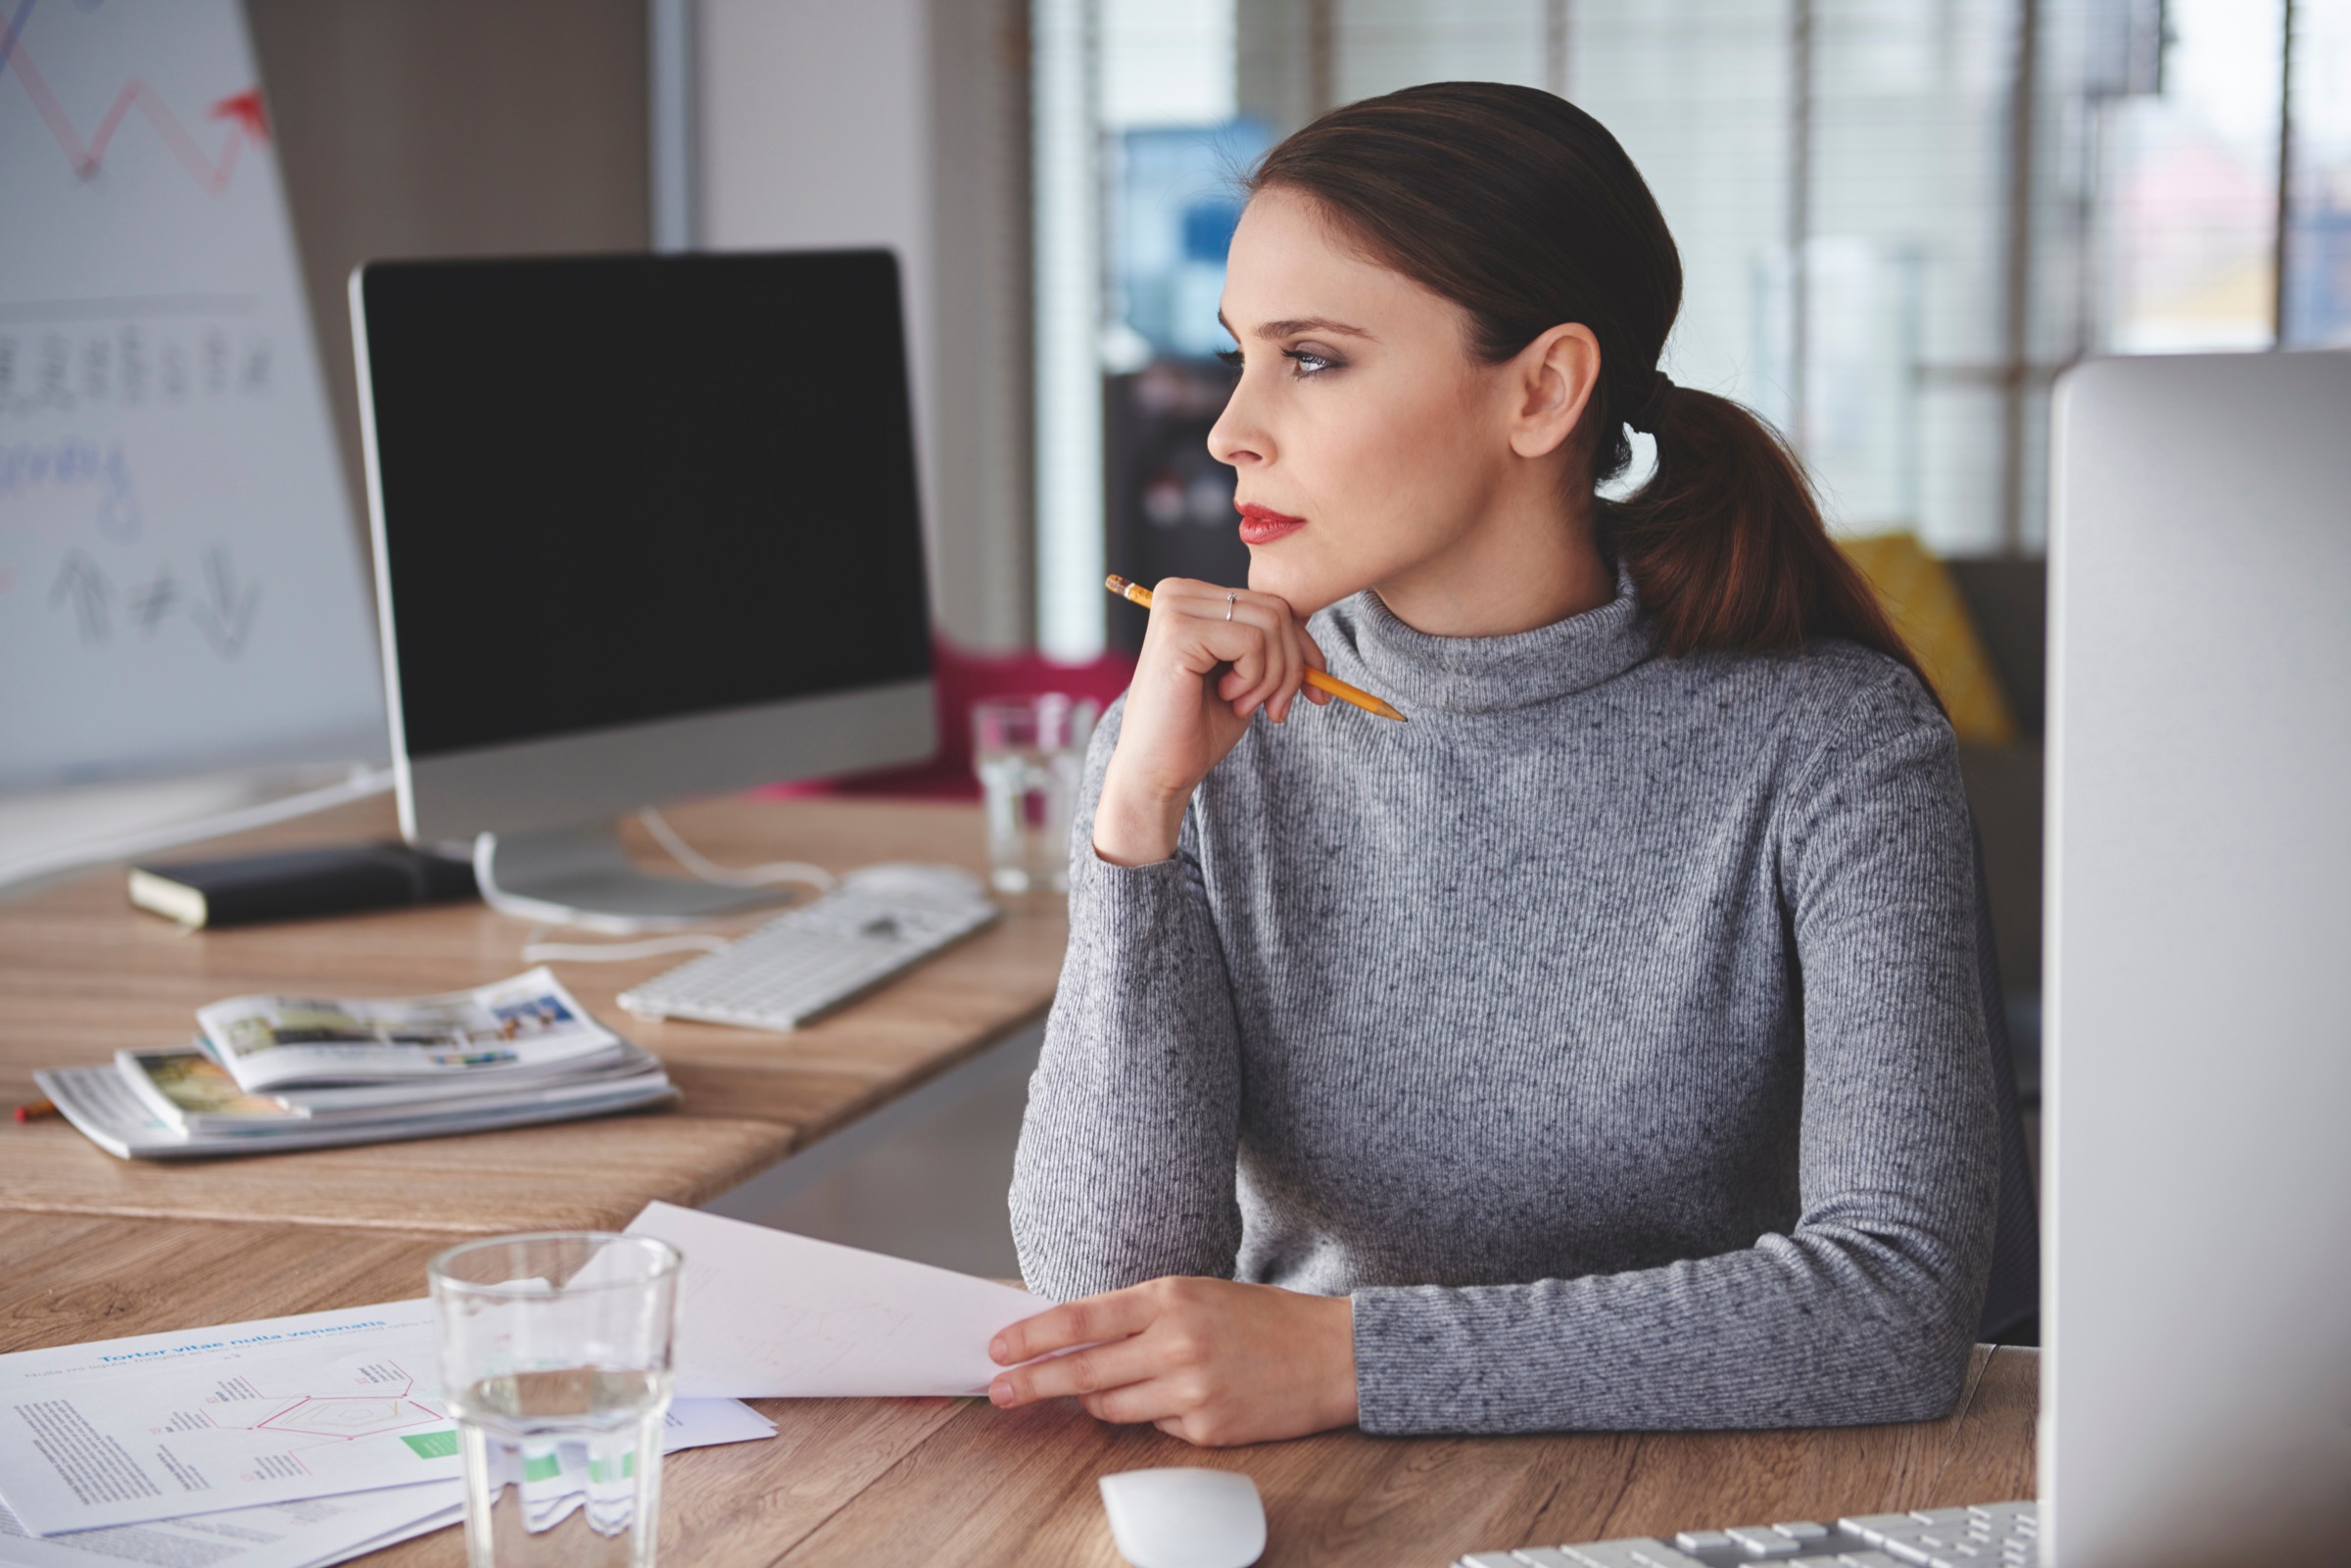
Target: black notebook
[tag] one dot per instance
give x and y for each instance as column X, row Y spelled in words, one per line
column 298, row 883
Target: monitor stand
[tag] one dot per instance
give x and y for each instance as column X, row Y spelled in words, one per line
column 583, row 876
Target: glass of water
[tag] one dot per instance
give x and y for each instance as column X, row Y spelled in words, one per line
column 555, row 1360
column 1028, row 753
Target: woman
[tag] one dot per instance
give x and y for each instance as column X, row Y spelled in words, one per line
column 1602, row 1047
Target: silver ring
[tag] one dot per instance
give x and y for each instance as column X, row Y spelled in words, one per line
column 1228, row 598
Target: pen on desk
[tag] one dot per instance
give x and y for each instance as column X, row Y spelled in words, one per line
column 37, row 1110
column 1136, row 594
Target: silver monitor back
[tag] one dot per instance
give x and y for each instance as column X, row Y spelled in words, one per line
column 2196, row 1401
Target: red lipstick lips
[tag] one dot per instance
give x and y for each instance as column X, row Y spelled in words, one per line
column 1263, row 525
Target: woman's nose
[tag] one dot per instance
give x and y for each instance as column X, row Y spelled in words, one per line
column 1235, row 438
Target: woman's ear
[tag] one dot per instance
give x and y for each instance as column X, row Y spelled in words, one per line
column 1550, row 382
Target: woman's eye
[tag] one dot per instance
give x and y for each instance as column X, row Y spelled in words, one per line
column 1308, row 361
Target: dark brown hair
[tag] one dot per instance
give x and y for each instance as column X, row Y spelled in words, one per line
column 1523, row 210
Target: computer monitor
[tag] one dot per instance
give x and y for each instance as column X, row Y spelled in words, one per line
column 2197, row 1393
column 645, row 527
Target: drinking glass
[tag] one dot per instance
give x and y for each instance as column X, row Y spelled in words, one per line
column 1029, row 752
column 555, row 1360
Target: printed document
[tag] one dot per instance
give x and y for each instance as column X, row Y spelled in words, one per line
column 291, row 1534
column 766, row 1313
column 128, row 1431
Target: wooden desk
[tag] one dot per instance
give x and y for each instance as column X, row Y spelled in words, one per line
column 859, row 1482
column 82, row 974
column 846, row 1482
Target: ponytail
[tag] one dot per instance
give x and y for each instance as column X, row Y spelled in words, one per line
column 1725, row 543
column 1523, row 211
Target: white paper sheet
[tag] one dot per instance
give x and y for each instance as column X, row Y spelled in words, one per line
column 453, row 1514
column 768, row 1314
column 25, row 1369
column 164, row 1425
column 292, row 1535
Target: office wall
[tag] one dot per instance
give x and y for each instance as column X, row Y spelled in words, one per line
column 449, row 128
column 900, row 122
column 446, row 127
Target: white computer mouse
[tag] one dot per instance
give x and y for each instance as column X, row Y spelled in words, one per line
column 1184, row 1518
column 926, row 880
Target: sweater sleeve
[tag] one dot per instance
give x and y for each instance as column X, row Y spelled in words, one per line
column 1866, row 1309
column 1127, row 1164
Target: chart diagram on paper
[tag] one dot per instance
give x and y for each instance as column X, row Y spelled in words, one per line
column 179, row 575
column 158, row 1442
column 247, row 1415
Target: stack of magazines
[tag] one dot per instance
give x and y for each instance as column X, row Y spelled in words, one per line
column 273, row 1072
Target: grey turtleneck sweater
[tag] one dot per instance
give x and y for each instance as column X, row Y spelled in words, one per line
column 1610, row 1031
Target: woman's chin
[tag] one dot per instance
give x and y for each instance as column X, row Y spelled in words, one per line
column 1284, row 573
column 1282, row 586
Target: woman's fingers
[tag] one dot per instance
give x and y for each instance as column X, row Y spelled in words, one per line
column 1209, row 1361
column 1314, row 657
column 1254, row 636
column 1265, row 676
column 1158, row 1401
column 1087, row 1321
column 1203, row 630
column 1304, row 657
column 1093, row 1370
column 1292, row 664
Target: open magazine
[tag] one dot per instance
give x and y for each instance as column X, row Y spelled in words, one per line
column 526, row 1024
column 276, row 1073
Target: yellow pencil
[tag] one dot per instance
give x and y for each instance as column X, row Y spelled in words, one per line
column 1135, row 593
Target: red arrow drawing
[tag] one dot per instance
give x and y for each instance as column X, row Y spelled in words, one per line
column 246, row 110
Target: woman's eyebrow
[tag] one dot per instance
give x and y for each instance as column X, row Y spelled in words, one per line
column 1306, row 324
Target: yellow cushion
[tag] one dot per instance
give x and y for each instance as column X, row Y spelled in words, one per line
column 1925, row 605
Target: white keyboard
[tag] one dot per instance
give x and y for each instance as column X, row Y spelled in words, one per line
column 810, row 959
column 2005, row 1533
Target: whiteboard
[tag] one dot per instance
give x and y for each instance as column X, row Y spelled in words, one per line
column 180, row 585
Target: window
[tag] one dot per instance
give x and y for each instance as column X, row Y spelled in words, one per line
column 1899, row 220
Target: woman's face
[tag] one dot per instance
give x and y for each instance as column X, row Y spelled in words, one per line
column 1369, row 442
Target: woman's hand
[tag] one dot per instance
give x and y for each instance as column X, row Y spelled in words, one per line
column 1207, row 1360
column 1200, row 680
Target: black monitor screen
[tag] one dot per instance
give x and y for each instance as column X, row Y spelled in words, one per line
column 631, row 488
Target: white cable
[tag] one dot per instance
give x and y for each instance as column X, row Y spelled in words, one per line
column 710, row 870
column 538, row 952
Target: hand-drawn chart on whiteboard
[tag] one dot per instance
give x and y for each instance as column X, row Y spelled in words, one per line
column 179, row 580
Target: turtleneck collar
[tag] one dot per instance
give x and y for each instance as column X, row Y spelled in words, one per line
column 1489, row 673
